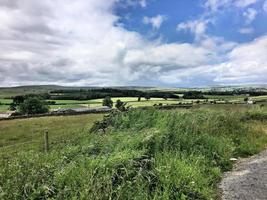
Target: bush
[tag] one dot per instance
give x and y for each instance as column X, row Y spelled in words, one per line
column 33, row 105
column 121, row 106
column 107, row 102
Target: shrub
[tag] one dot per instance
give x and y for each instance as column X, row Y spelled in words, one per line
column 33, row 105
column 107, row 102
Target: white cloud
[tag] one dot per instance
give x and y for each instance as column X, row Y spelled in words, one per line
column 78, row 43
column 265, row 6
column 244, row 3
column 246, row 30
column 246, row 63
column 169, row 56
column 143, row 3
column 196, row 27
column 250, row 14
column 156, row 21
column 216, row 5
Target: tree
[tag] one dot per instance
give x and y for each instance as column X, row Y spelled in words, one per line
column 18, row 100
column 121, row 105
column 12, row 106
column 33, row 105
column 193, row 95
column 107, row 101
column 147, row 97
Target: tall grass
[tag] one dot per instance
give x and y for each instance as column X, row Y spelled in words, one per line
column 144, row 154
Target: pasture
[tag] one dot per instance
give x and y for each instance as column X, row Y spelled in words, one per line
column 133, row 101
column 27, row 134
column 144, row 154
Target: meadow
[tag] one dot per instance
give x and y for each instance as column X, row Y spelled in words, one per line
column 27, row 134
column 75, row 97
column 143, row 154
column 133, row 101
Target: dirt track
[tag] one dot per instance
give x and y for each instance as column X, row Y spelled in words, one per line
column 248, row 180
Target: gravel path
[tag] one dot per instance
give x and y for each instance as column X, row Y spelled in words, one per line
column 248, row 180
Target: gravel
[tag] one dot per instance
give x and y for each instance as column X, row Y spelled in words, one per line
column 248, row 180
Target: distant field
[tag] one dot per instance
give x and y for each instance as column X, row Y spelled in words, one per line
column 133, row 101
column 27, row 134
column 6, row 101
column 226, row 97
column 4, row 108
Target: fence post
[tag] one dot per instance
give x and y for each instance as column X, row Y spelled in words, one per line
column 46, row 144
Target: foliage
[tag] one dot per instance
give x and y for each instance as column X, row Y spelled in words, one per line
column 145, row 154
column 193, row 95
column 121, row 106
column 107, row 101
column 12, row 107
column 33, row 105
column 103, row 92
column 147, row 97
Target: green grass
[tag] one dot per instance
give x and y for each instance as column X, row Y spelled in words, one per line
column 6, row 101
column 24, row 134
column 4, row 108
column 132, row 101
column 144, row 154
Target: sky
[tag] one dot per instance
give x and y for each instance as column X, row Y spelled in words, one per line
column 163, row 43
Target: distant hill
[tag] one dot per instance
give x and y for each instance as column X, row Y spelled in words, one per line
column 6, row 92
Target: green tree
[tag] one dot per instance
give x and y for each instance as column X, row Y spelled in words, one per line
column 18, row 100
column 107, row 102
column 121, row 105
column 147, row 97
column 165, row 97
column 33, row 105
column 12, row 106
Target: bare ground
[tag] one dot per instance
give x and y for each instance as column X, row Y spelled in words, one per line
column 248, row 180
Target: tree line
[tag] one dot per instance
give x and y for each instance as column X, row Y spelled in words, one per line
column 104, row 92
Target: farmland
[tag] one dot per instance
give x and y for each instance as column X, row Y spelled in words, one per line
column 145, row 154
column 137, row 154
column 27, row 134
column 71, row 97
column 133, row 101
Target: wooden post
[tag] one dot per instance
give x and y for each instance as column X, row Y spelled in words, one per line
column 46, row 144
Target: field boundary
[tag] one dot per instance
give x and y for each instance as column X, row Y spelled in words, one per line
column 167, row 107
column 55, row 114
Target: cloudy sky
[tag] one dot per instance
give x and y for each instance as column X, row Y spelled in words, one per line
column 168, row 43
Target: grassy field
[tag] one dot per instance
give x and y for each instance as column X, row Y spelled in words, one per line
column 144, row 154
column 132, row 101
column 27, row 134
